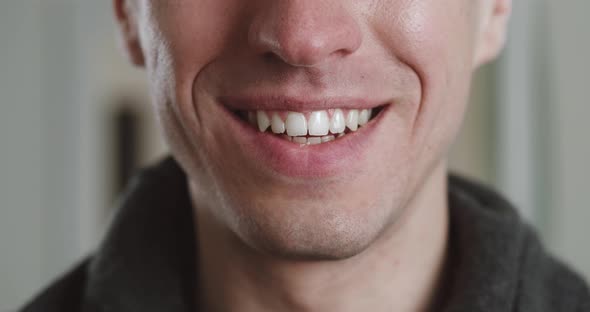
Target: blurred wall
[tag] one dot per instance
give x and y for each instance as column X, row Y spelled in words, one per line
column 40, row 129
column 542, row 146
column 569, row 130
column 21, row 188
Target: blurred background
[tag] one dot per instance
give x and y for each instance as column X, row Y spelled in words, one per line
column 75, row 121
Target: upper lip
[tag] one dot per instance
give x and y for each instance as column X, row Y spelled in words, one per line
column 297, row 104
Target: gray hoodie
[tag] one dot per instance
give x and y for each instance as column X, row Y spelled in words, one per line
column 146, row 262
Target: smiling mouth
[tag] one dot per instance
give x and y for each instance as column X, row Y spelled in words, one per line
column 310, row 128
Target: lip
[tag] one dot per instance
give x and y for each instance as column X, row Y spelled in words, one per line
column 271, row 153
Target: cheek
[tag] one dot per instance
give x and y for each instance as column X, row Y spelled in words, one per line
column 182, row 38
column 435, row 39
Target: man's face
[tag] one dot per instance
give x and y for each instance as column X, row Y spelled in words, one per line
column 218, row 67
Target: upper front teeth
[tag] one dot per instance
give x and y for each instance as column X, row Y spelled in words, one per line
column 296, row 124
column 319, row 123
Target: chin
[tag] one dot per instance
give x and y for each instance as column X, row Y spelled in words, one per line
column 311, row 244
column 320, row 231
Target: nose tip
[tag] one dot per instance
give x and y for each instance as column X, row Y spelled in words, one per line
column 304, row 33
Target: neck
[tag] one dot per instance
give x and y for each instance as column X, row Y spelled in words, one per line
column 401, row 271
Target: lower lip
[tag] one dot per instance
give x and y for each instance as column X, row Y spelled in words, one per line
column 268, row 151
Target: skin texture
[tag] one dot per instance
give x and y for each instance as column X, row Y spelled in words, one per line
column 369, row 236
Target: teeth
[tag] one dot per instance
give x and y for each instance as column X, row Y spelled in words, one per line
column 319, row 123
column 364, row 116
column 263, row 121
column 314, row 140
column 352, row 120
column 328, row 138
column 337, row 124
column 296, row 124
column 311, row 140
column 300, row 140
column 320, row 126
column 277, row 124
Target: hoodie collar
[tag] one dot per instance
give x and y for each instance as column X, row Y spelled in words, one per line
column 147, row 261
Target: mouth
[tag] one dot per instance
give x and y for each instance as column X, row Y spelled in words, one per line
column 309, row 128
column 303, row 139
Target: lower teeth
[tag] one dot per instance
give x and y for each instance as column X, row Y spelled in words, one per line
column 304, row 140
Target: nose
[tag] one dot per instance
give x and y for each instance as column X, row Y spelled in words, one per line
column 304, row 33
